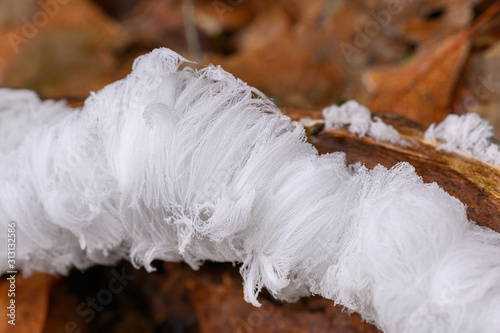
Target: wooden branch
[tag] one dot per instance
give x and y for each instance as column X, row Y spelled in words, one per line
column 473, row 182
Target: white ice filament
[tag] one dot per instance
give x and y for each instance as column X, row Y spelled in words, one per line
column 184, row 165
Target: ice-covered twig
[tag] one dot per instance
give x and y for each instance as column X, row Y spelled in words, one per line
column 185, row 165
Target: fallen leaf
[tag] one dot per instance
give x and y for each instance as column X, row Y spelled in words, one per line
column 294, row 62
column 422, row 89
column 424, row 22
column 61, row 37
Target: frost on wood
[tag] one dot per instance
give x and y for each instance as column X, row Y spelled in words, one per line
column 468, row 134
column 185, row 165
column 360, row 122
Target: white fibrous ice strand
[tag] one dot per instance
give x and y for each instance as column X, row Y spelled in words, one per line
column 467, row 134
column 186, row 165
column 360, row 122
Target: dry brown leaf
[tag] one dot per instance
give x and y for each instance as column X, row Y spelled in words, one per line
column 61, row 37
column 422, row 89
column 293, row 61
column 425, row 22
column 31, row 301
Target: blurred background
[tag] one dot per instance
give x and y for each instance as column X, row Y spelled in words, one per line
column 421, row 59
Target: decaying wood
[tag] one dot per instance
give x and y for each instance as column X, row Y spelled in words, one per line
column 473, row 182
